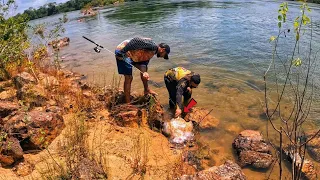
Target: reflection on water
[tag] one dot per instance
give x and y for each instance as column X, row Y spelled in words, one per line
column 224, row 41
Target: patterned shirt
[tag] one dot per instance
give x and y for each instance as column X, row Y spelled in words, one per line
column 138, row 49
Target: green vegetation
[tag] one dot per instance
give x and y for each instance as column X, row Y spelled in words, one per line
column 54, row 8
column 13, row 40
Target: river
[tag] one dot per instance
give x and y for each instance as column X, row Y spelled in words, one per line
column 226, row 42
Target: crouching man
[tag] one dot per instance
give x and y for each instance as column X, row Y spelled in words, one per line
column 180, row 82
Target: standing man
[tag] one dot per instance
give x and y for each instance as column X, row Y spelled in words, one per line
column 179, row 82
column 138, row 52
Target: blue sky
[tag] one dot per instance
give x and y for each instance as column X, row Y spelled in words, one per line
column 25, row 4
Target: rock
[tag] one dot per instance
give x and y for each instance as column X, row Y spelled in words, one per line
column 228, row 171
column 252, row 149
column 34, row 95
column 35, row 130
column 23, row 78
column 126, row 115
column 10, row 151
column 256, row 159
column 8, row 95
column 7, row 107
column 314, row 146
column 202, row 118
column 59, row 43
column 179, row 130
column 89, row 169
column 23, row 168
column 190, row 158
column 5, row 84
column 47, row 81
column 308, row 170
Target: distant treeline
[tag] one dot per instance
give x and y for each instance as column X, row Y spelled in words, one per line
column 54, row 8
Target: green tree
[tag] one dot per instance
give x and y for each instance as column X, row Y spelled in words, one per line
column 13, row 39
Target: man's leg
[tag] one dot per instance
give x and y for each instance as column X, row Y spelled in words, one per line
column 127, row 87
column 172, row 90
column 126, row 70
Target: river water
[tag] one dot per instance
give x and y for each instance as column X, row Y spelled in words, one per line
column 226, row 42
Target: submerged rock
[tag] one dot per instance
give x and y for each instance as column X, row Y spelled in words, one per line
column 202, row 118
column 59, row 43
column 228, row 171
column 314, row 146
column 35, row 130
column 308, row 170
column 252, row 149
column 179, row 130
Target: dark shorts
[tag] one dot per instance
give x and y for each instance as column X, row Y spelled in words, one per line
column 124, row 66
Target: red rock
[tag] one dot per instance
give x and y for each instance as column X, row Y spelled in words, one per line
column 252, row 149
column 6, row 107
column 35, row 129
column 11, row 151
column 23, row 78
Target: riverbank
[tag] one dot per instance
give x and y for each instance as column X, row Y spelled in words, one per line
column 61, row 127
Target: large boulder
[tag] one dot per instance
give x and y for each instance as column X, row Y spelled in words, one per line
column 7, row 107
column 23, row 78
column 10, row 151
column 252, row 149
column 202, row 118
column 314, row 145
column 179, row 131
column 228, row 171
column 35, row 129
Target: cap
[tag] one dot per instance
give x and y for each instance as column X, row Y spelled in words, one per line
column 167, row 49
column 196, row 78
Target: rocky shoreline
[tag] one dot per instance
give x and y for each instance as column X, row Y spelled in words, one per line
column 52, row 117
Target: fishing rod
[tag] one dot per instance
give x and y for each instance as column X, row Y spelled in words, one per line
column 97, row 50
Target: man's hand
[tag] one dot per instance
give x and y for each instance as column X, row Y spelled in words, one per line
column 146, row 76
column 189, row 89
column 178, row 112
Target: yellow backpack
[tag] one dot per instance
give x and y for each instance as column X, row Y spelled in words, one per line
column 177, row 73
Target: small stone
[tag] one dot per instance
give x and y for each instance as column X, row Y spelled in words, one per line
column 23, row 168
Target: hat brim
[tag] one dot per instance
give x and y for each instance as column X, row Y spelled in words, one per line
column 166, row 57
